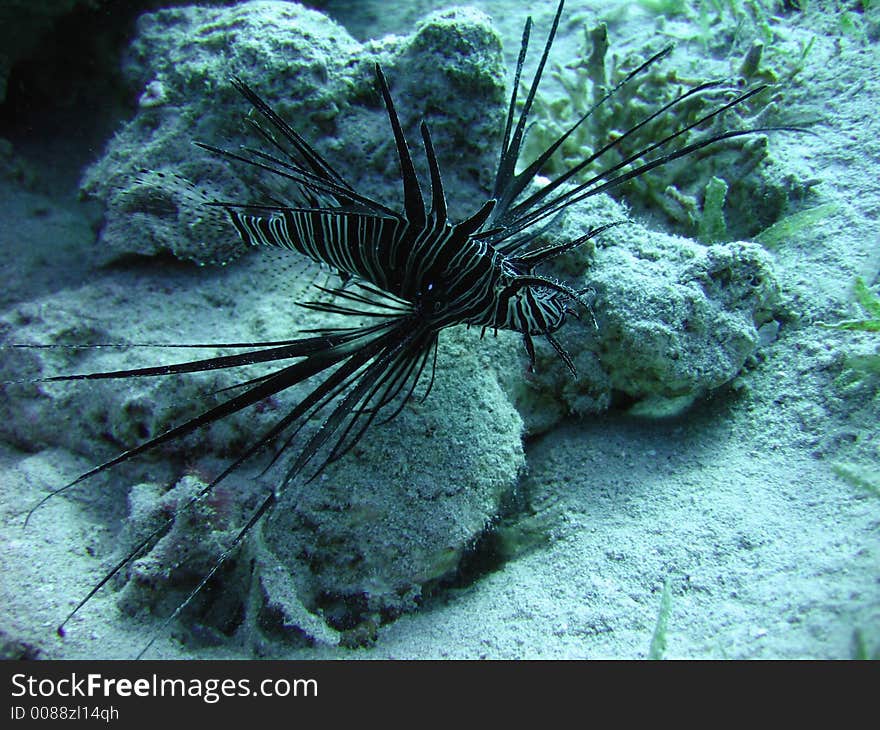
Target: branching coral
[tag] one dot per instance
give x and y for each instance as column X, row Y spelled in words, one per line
column 693, row 193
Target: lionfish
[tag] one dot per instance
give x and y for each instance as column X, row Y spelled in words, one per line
column 413, row 271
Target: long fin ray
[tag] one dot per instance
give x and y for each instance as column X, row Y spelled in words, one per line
column 413, row 202
column 318, row 164
column 519, row 182
column 511, row 152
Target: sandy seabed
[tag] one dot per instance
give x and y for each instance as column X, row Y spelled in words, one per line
column 736, row 504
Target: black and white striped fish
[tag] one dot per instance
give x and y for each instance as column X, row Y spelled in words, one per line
column 413, row 272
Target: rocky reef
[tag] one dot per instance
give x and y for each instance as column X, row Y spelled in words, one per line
column 671, row 319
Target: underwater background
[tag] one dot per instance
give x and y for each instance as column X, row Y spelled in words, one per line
column 707, row 487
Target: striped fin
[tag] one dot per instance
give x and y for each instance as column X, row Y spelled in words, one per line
column 313, row 159
column 298, row 176
column 413, row 202
column 511, row 145
column 510, row 189
column 438, row 197
column 371, row 361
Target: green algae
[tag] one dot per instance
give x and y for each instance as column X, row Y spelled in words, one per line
column 690, row 192
column 787, row 229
